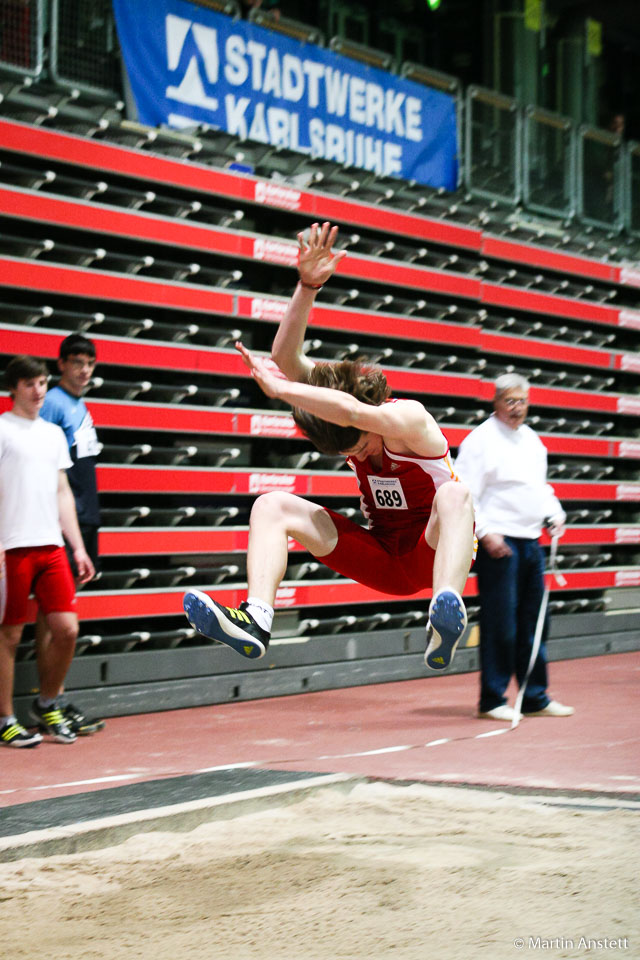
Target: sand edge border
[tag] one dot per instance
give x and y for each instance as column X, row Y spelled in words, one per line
column 109, row 831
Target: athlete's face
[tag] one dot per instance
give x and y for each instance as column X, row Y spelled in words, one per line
column 512, row 406
column 28, row 396
column 76, row 372
column 369, row 445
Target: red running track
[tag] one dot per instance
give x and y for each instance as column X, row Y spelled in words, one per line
column 386, row 731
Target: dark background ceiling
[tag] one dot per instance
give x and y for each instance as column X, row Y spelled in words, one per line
column 458, row 38
column 621, row 18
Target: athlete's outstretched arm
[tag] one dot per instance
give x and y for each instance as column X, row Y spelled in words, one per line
column 316, row 264
column 406, row 421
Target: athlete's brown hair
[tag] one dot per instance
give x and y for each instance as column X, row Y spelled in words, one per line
column 367, row 383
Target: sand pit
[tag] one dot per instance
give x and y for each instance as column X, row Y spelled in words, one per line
column 408, row 872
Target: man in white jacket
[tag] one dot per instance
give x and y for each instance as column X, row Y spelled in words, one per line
column 504, row 464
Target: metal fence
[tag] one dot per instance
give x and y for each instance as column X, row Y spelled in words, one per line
column 548, row 157
column 600, row 178
column 493, row 145
column 516, row 154
column 21, row 37
column 85, row 52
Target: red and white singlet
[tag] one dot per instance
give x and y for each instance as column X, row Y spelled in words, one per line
column 399, row 495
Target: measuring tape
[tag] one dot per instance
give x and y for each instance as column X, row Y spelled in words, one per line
column 537, row 637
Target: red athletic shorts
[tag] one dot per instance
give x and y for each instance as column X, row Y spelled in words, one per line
column 44, row 571
column 402, row 565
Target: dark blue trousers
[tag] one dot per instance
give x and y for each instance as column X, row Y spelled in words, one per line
column 511, row 591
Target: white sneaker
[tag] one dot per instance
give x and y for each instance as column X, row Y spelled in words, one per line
column 503, row 712
column 553, row 709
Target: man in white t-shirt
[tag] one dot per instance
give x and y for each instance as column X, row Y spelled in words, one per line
column 504, row 464
column 36, row 507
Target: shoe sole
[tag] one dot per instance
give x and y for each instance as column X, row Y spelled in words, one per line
column 22, row 744
column 85, row 729
column 88, row 728
column 58, row 737
column 205, row 617
column 554, row 716
column 442, row 637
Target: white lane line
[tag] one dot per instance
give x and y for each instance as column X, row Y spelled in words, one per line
column 77, row 783
column 258, row 763
column 228, row 766
column 363, row 753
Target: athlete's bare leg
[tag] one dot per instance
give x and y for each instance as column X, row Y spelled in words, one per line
column 54, row 659
column 43, row 639
column 9, row 639
column 450, row 533
column 275, row 517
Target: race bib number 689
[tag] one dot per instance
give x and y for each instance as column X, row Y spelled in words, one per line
column 388, row 493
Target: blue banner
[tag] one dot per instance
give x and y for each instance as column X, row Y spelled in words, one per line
column 189, row 65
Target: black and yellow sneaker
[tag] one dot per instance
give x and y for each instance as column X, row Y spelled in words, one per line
column 51, row 721
column 230, row 625
column 13, row 734
column 80, row 724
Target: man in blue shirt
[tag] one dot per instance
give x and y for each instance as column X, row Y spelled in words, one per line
column 64, row 406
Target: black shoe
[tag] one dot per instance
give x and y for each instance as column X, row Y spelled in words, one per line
column 51, row 720
column 80, row 725
column 230, row 625
column 15, row 735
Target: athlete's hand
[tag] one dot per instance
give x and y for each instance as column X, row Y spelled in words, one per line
column 316, row 261
column 84, row 565
column 496, row 546
column 265, row 373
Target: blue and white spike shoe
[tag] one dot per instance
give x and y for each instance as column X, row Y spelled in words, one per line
column 447, row 622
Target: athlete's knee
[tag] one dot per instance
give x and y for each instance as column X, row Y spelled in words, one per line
column 275, row 506
column 10, row 636
column 454, row 497
column 297, row 517
column 65, row 633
